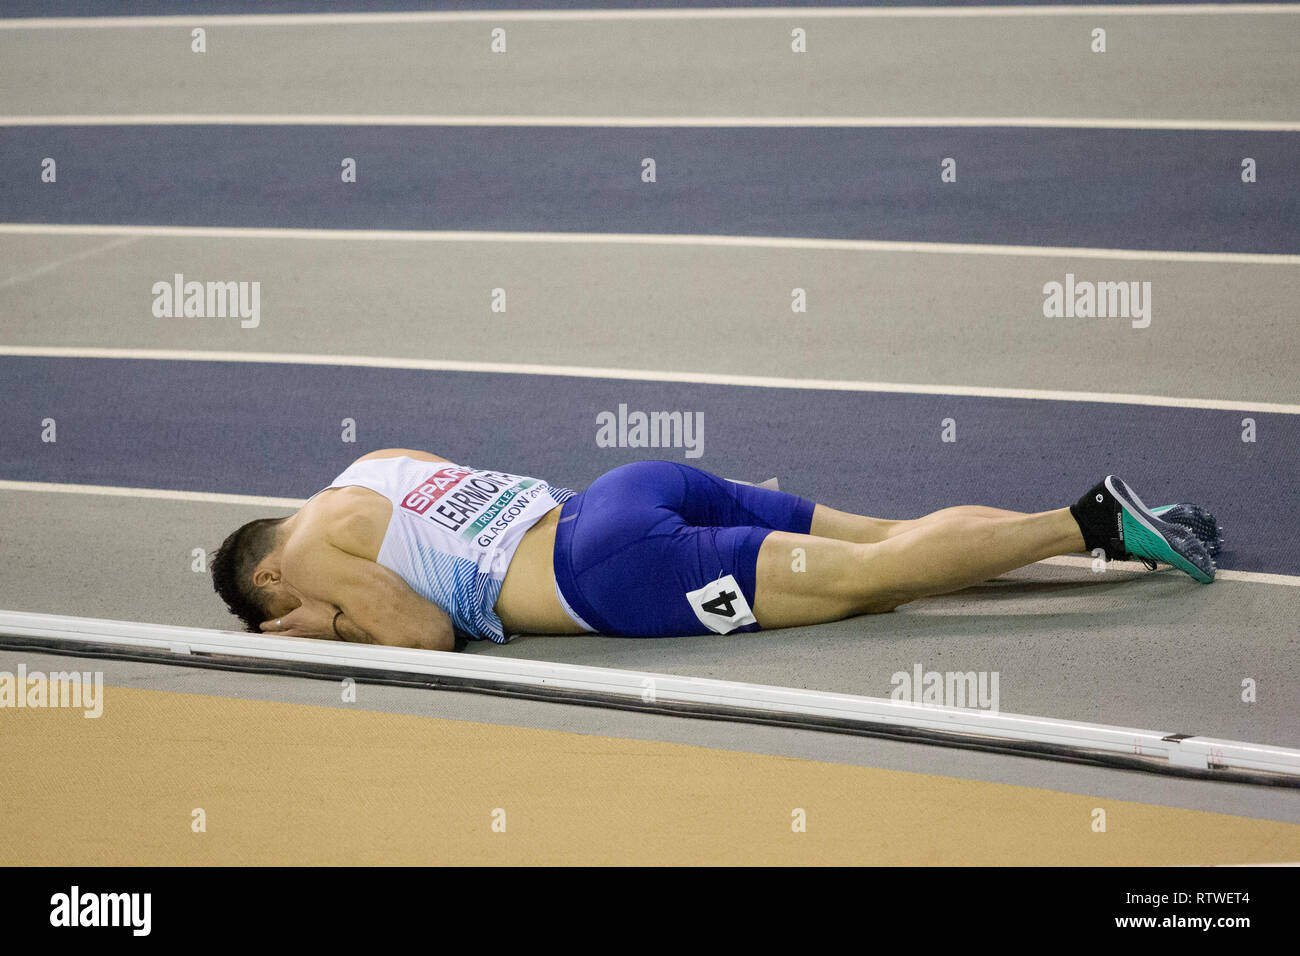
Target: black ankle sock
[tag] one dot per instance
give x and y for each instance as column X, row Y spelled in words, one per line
column 1096, row 519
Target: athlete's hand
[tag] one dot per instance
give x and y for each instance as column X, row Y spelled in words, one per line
column 309, row 619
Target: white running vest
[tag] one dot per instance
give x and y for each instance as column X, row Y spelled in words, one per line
column 454, row 530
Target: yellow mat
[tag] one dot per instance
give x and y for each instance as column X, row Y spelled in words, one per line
column 293, row 784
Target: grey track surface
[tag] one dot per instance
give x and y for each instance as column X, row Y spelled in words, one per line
column 872, row 316
column 1195, row 67
column 1236, row 799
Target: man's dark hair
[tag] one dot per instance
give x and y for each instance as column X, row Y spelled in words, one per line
column 232, row 570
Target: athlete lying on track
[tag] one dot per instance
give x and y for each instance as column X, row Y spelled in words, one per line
column 410, row 550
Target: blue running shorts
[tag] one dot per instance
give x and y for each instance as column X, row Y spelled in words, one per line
column 658, row 548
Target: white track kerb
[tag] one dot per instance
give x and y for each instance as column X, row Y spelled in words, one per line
column 1169, row 750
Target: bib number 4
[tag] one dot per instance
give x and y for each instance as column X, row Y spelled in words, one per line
column 721, row 606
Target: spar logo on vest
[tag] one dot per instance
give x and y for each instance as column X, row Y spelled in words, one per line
column 469, row 503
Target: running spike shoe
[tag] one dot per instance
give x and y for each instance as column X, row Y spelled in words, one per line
column 1112, row 517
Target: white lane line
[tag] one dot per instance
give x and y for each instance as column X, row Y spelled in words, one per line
column 700, row 13
column 438, row 119
column 640, row 375
column 258, row 501
column 58, row 263
column 653, row 239
column 163, row 493
column 1253, row 577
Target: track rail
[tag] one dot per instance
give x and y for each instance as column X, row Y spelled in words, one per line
column 1127, row 748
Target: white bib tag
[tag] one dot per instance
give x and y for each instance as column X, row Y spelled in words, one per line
column 721, row 606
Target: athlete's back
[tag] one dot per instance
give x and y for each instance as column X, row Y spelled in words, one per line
column 453, row 530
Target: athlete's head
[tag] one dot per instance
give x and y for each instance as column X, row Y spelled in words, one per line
column 243, row 576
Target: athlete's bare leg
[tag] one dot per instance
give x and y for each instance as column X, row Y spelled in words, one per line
column 829, row 523
column 810, row 579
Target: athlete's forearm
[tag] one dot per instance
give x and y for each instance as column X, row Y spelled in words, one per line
column 345, row 629
column 407, row 620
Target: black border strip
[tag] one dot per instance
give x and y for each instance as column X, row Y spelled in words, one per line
column 726, row 712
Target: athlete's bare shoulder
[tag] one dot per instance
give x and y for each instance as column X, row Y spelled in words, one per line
column 351, row 518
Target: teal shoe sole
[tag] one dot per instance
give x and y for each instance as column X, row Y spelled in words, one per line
column 1146, row 536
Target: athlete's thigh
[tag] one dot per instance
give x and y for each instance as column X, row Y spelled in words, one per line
column 806, row 579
